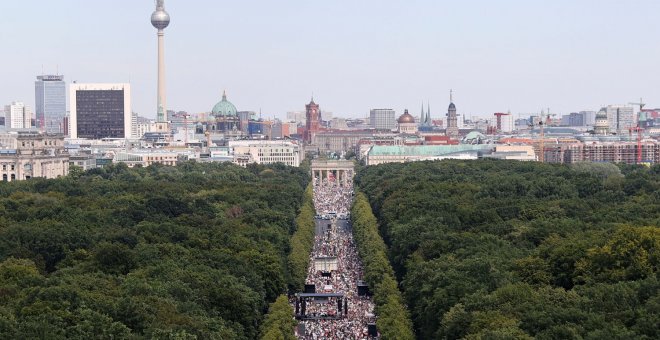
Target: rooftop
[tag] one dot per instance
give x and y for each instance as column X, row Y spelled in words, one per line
column 425, row 150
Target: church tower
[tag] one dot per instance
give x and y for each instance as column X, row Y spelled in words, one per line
column 452, row 118
column 313, row 116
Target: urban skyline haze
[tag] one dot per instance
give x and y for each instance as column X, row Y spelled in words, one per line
column 354, row 56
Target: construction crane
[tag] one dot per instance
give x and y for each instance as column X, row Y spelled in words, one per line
column 639, row 131
column 542, row 141
column 641, row 104
column 499, row 119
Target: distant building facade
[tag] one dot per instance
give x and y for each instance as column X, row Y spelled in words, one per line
column 146, row 158
column 620, row 118
column 613, row 152
column 50, row 103
column 340, row 141
column 381, row 154
column 24, row 155
column 407, row 124
column 602, row 124
column 382, row 119
column 300, row 117
column 266, row 152
column 18, row 116
column 100, row 111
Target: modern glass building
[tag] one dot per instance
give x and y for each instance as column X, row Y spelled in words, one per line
column 100, row 111
column 50, row 102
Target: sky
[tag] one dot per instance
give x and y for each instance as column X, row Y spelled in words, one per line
column 352, row 55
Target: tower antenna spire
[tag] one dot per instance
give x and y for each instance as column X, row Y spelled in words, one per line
column 160, row 19
column 451, row 95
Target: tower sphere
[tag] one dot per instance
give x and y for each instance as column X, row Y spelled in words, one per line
column 160, row 19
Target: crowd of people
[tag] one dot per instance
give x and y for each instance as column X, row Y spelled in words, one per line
column 332, row 197
column 335, row 240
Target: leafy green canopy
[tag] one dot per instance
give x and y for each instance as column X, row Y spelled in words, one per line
column 393, row 318
column 190, row 252
column 498, row 249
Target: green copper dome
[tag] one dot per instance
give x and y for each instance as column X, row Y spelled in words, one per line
column 224, row 107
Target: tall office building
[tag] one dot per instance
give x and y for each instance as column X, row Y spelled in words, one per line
column 382, row 119
column 18, row 116
column 50, row 102
column 100, row 111
column 621, row 118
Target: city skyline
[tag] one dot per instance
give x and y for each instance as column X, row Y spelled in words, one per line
column 353, row 56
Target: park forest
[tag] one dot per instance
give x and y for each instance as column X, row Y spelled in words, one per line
column 521, row 250
column 452, row 250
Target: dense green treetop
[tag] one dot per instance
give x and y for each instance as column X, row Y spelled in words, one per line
column 505, row 249
column 196, row 251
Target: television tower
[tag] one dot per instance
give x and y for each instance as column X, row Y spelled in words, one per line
column 161, row 19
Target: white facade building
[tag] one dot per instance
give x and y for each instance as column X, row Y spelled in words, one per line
column 146, row 158
column 100, row 111
column 18, row 116
column 266, row 152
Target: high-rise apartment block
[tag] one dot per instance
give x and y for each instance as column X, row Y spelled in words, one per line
column 18, row 116
column 50, row 103
column 382, row 119
column 100, row 111
column 620, row 118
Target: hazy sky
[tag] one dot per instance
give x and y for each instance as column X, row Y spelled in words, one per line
column 353, row 55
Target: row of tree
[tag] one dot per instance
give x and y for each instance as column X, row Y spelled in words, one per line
column 393, row 318
column 279, row 322
column 302, row 243
column 194, row 251
column 499, row 249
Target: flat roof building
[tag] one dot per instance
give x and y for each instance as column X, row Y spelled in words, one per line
column 50, row 103
column 382, row 119
column 100, row 111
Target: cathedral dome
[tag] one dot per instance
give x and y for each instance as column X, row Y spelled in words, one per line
column 406, row 118
column 224, row 107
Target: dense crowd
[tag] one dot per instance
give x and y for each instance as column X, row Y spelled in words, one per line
column 333, row 322
column 332, row 197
